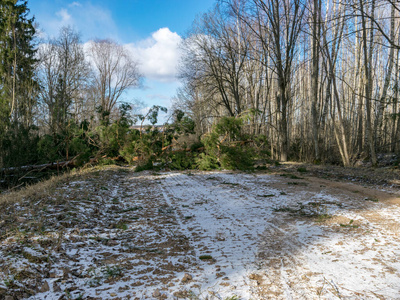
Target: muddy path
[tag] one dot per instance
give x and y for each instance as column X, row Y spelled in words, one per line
column 116, row 234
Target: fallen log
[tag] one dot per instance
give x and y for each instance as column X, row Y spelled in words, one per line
column 42, row 167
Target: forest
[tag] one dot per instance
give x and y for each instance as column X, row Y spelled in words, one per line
column 275, row 175
column 263, row 80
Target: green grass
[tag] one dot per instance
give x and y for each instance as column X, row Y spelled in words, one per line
column 122, row 226
column 350, row 225
column 291, row 176
column 113, row 272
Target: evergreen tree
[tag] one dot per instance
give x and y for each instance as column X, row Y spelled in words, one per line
column 18, row 88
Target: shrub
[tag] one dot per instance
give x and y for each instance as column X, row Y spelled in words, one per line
column 233, row 158
column 18, row 145
column 225, row 147
column 181, row 160
column 207, row 162
column 48, row 151
column 148, row 165
column 196, row 146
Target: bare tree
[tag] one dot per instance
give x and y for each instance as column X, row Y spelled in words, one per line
column 328, row 90
column 218, row 50
column 114, row 73
column 63, row 72
column 281, row 25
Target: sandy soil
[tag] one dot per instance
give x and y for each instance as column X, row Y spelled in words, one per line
column 116, row 234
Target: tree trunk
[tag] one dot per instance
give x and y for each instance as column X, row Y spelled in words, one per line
column 314, row 75
column 368, row 76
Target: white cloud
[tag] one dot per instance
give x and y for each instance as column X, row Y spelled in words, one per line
column 75, row 3
column 64, row 15
column 159, row 55
column 92, row 19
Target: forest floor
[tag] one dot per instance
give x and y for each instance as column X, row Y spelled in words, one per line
column 290, row 232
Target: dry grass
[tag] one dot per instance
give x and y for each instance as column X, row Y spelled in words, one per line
column 97, row 210
column 43, row 189
column 31, row 200
column 381, row 176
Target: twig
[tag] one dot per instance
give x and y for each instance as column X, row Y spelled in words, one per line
column 19, row 179
column 333, row 285
column 15, row 187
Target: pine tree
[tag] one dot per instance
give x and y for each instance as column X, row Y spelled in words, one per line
column 18, row 87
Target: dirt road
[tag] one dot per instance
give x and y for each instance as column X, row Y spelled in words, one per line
column 116, row 234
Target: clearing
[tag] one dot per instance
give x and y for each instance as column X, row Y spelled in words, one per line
column 116, row 234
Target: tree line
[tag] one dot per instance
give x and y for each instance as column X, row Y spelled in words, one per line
column 58, row 97
column 320, row 78
column 61, row 101
column 308, row 80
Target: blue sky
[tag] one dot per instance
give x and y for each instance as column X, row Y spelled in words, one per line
column 151, row 29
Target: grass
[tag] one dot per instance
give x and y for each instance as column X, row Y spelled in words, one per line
column 313, row 210
column 43, row 189
column 210, row 295
column 302, row 170
column 35, row 259
column 350, row 225
column 297, row 183
column 122, row 226
column 98, row 275
column 112, row 272
column 46, row 197
column 98, row 238
column 285, row 209
column 9, row 281
column 322, row 217
column 291, row 176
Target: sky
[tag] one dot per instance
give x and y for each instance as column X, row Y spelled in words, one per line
column 150, row 29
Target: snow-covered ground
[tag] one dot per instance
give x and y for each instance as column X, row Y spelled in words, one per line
column 205, row 235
